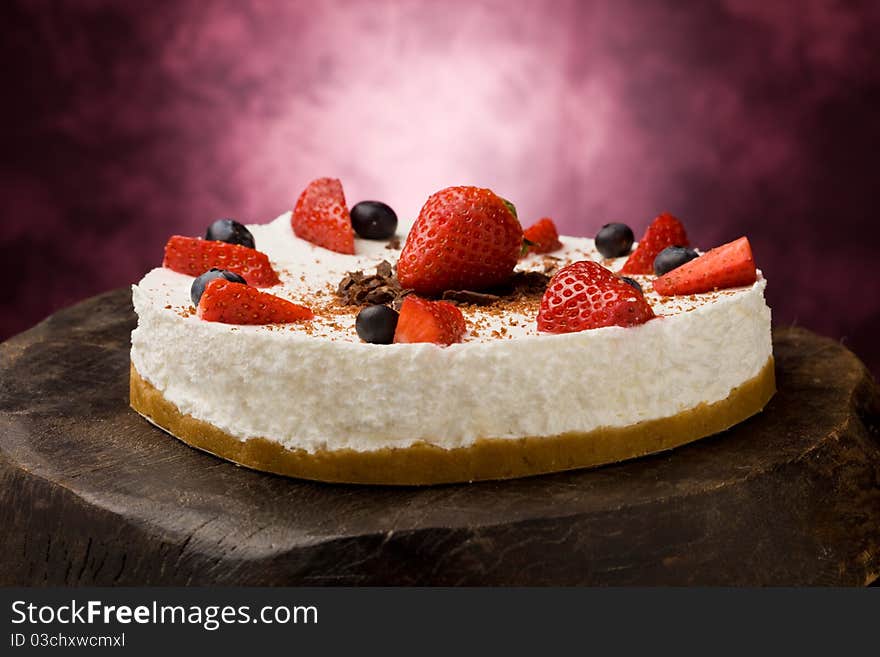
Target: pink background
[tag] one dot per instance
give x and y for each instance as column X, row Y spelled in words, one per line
column 125, row 122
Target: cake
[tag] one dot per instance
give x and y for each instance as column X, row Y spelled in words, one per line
column 506, row 395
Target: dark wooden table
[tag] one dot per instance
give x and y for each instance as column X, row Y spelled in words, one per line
column 90, row 493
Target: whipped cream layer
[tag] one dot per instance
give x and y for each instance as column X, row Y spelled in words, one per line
column 316, row 386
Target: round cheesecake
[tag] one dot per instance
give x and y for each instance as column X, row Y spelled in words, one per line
column 310, row 399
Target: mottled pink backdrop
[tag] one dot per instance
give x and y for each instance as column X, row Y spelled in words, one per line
column 125, row 122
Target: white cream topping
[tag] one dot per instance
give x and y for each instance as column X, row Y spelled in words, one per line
column 314, row 385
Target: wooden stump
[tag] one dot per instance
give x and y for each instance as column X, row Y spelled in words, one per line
column 90, row 493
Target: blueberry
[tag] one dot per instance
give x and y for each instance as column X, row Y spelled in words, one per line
column 614, row 240
column 633, row 282
column 201, row 282
column 672, row 257
column 376, row 324
column 229, row 230
column 373, row 220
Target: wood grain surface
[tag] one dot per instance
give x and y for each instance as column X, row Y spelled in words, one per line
column 90, row 493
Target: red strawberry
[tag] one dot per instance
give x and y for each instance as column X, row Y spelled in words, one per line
column 664, row 231
column 233, row 303
column 429, row 321
column 194, row 256
column 321, row 216
column 584, row 295
column 543, row 236
column 728, row 265
column 465, row 238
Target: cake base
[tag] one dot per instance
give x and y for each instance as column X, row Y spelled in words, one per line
column 487, row 458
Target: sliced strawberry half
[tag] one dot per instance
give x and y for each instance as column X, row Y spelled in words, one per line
column 584, row 295
column 321, row 216
column 193, row 256
column 422, row 320
column 234, row 303
column 543, row 236
column 728, row 265
column 664, row 231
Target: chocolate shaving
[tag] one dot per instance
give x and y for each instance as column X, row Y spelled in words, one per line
column 393, row 244
column 357, row 288
column 530, row 283
column 398, row 302
column 385, row 270
column 523, row 284
column 468, row 296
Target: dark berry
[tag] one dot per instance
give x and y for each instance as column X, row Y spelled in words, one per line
column 632, row 282
column 672, row 257
column 229, row 230
column 376, row 324
column 614, row 240
column 201, row 282
column 373, row 220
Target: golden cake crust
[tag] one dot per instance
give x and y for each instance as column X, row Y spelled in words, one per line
column 487, row 458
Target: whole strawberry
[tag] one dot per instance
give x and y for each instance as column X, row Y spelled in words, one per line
column 584, row 295
column 466, row 238
column 664, row 231
column 321, row 216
